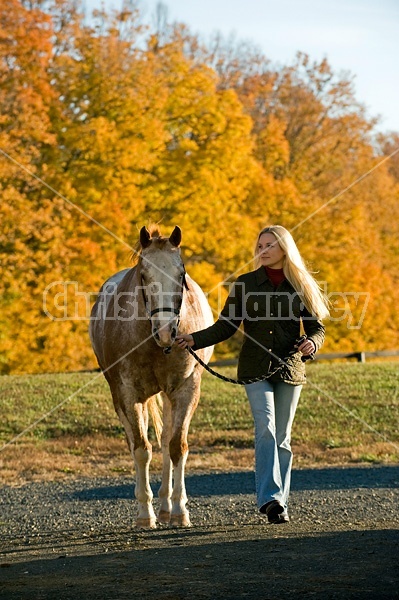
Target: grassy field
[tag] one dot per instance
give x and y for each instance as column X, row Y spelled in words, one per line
column 348, row 413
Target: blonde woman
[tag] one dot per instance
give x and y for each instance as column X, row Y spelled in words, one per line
column 276, row 302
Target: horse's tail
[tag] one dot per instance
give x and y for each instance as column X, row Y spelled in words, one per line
column 155, row 407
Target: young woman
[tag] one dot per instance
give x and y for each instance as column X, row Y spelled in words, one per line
column 275, row 303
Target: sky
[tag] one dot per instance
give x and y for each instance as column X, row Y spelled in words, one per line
column 359, row 36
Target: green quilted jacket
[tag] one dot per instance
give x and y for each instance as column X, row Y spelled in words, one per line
column 271, row 320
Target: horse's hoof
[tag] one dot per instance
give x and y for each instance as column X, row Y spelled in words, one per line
column 149, row 523
column 164, row 517
column 180, row 520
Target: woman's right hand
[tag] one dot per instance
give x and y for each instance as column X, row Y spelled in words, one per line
column 184, row 340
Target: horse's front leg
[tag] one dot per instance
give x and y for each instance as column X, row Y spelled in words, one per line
column 135, row 421
column 165, row 491
column 183, row 406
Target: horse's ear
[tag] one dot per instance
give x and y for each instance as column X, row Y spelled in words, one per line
column 145, row 238
column 175, row 237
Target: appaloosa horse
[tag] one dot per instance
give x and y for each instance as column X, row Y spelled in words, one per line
column 133, row 325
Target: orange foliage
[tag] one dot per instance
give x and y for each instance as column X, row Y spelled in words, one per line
column 132, row 126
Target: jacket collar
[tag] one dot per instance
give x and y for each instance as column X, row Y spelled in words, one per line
column 261, row 276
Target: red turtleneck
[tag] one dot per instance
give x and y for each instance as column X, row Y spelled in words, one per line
column 276, row 276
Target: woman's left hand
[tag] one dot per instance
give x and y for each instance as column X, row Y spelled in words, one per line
column 185, row 339
column 307, row 347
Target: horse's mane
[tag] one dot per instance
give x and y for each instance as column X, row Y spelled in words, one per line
column 158, row 239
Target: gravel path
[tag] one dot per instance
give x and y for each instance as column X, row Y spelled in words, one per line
column 75, row 539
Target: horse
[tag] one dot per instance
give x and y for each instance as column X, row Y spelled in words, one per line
column 133, row 326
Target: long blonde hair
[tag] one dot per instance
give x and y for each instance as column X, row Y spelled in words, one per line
column 296, row 272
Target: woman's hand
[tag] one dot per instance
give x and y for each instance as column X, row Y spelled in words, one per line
column 184, row 340
column 307, row 347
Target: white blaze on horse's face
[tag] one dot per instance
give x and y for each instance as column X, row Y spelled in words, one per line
column 162, row 274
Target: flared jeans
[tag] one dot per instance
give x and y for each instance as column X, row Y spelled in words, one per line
column 273, row 408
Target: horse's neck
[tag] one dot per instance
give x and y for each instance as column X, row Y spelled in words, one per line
column 127, row 282
column 127, row 294
column 136, row 286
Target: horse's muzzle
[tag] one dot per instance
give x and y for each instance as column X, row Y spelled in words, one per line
column 165, row 336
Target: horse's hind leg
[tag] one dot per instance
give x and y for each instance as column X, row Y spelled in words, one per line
column 165, row 491
column 135, row 423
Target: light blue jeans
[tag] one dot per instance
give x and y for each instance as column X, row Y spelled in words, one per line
column 273, row 407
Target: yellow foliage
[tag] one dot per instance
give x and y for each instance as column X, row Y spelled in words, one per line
column 134, row 127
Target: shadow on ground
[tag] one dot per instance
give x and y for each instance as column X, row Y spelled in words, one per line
column 340, row 565
column 217, row 484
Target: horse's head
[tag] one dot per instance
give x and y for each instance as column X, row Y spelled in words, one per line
column 162, row 277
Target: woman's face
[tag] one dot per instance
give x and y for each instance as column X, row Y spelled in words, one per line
column 269, row 251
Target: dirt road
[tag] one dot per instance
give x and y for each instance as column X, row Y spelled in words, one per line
column 75, row 540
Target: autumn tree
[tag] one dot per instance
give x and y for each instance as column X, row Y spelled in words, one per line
column 31, row 231
column 324, row 182
column 107, row 124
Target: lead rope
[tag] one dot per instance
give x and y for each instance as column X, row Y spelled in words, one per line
column 253, row 379
column 235, row 381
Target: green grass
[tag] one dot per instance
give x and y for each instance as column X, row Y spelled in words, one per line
column 343, row 405
column 350, row 404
